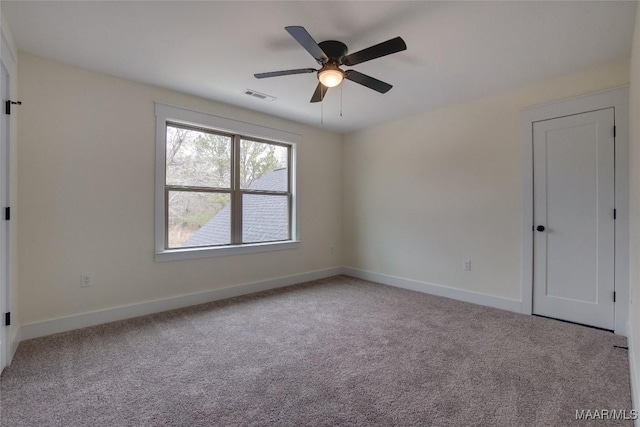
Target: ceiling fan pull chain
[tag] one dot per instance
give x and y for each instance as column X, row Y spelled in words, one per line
column 341, row 87
column 322, row 112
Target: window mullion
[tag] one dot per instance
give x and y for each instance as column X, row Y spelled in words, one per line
column 236, row 204
column 264, row 192
column 166, row 217
column 197, row 189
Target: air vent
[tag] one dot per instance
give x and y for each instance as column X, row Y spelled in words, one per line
column 259, row 95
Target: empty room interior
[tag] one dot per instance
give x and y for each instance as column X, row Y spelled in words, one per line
column 283, row 213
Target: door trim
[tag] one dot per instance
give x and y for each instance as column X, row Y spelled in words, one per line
column 618, row 98
column 7, row 253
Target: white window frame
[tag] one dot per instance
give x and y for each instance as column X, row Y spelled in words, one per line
column 171, row 114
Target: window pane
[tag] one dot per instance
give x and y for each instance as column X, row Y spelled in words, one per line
column 265, row 218
column 198, row 158
column 199, row 219
column 263, row 166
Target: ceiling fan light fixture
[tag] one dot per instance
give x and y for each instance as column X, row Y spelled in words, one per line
column 331, row 54
column 330, row 75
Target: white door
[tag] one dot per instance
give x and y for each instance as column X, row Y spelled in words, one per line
column 574, row 226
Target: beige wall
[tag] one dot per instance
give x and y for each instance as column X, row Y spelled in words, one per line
column 86, row 194
column 426, row 192
column 634, row 217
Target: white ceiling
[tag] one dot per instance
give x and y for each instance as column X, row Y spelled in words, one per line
column 456, row 50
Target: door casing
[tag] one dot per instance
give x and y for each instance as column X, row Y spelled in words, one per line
column 618, row 99
column 7, row 246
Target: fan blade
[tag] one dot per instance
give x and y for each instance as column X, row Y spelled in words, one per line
column 373, row 52
column 306, row 41
column 367, row 81
column 284, row 73
column 319, row 94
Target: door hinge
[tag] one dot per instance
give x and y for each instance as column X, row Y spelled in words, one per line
column 7, row 213
column 7, row 319
column 614, row 131
column 615, row 214
column 614, row 296
column 7, row 105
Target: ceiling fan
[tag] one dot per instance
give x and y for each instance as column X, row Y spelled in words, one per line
column 331, row 54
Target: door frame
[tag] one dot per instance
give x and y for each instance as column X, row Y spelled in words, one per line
column 618, row 99
column 7, row 232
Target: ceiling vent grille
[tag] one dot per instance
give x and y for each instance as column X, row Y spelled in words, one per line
column 259, row 95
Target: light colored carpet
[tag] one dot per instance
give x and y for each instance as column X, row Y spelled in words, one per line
column 338, row 351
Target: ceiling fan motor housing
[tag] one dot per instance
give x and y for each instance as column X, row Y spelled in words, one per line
column 335, row 50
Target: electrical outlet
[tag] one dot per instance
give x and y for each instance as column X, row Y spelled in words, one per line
column 466, row 265
column 85, row 280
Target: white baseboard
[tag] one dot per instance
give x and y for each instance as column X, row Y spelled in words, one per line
column 93, row 318
column 634, row 370
column 439, row 290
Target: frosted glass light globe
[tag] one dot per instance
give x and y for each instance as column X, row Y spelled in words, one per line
column 330, row 76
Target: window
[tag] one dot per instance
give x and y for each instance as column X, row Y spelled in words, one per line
column 222, row 186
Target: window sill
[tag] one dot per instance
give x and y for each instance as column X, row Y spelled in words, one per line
column 196, row 253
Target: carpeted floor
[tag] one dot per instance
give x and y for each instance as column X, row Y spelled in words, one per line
column 338, row 351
